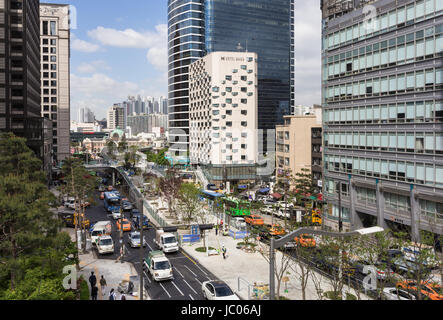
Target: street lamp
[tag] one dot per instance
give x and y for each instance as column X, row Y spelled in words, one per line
column 282, row 241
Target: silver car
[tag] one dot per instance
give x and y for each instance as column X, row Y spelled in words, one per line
column 397, row 294
column 217, row 290
column 134, row 240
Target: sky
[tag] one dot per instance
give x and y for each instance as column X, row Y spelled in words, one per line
column 119, row 48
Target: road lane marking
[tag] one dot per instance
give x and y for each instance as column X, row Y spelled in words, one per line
column 201, row 269
column 199, row 281
column 179, row 272
column 191, row 297
column 188, row 257
column 190, row 286
column 147, row 276
column 177, row 288
column 165, row 290
column 149, row 246
column 190, row 270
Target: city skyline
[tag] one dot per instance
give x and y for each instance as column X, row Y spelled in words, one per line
column 125, row 52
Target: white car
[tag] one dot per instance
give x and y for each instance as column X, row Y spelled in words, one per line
column 218, row 290
column 105, row 244
column 116, row 215
column 134, row 240
column 239, row 222
column 70, row 203
column 397, row 294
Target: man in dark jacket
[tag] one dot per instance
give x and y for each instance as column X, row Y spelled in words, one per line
column 94, row 292
column 92, row 280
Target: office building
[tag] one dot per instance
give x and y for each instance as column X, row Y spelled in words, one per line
column 85, row 115
column 382, row 88
column 299, row 146
column 116, row 117
column 223, row 115
column 199, row 27
column 146, row 123
column 20, row 78
column 55, row 74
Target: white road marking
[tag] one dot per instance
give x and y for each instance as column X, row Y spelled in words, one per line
column 178, row 272
column 198, row 281
column 177, row 288
column 191, row 297
column 201, row 269
column 165, row 290
column 147, row 276
column 190, row 286
column 149, row 246
column 190, row 270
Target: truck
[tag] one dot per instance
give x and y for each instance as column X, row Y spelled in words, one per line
column 158, row 266
column 166, row 240
column 101, row 228
column 71, row 218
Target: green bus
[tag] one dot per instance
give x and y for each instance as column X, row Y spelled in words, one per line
column 237, row 208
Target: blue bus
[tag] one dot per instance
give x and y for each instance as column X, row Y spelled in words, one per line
column 111, row 201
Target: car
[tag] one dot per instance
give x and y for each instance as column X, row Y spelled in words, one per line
column 136, row 221
column 125, row 223
column 134, row 212
column 116, row 214
column 105, row 244
column 429, row 290
column 134, row 240
column 397, row 294
column 126, row 205
column 269, row 201
column 218, row 290
column 397, row 262
column 268, row 210
column 110, row 188
column 239, row 222
column 305, row 241
column 276, row 230
column 70, row 203
column 254, row 220
column 381, row 269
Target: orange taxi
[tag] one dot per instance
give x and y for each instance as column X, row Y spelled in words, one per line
column 428, row 290
column 254, row 220
column 306, row 241
column 277, row 230
column 126, row 224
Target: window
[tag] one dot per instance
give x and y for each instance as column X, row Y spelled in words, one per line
column 45, row 27
column 53, row 28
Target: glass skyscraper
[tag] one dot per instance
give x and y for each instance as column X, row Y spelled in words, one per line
column 383, row 114
column 261, row 26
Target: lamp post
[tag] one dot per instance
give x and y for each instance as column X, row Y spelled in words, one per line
column 281, row 242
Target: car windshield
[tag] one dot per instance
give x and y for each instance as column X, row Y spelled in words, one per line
column 170, row 240
column 114, row 202
column 307, row 237
column 136, row 236
column 96, row 233
column 223, row 291
column 162, row 265
column 106, row 242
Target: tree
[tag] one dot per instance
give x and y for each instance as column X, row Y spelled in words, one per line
column 110, row 144
column 303, row 184
column 169, row 186
column 189, row 201
column 25, row 219
column 123, row 144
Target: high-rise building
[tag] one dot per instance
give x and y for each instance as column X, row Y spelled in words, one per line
column 145, row 123
column 382, row 90
column 20, row 77
column 197, row 27
column 85, row 115
column 55, row 74
column 223, row 115
column 116, row 117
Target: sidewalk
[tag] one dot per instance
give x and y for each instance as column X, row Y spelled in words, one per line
column 113, row 272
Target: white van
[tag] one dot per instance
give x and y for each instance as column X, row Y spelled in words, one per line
column 101, row 228
column 105, row 244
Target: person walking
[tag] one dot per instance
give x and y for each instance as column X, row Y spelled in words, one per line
column 216, row 229
column 224, row 252
column 103, row 285
column 94, row 292
column 112, row 294
column 123, row 297
column 92, row 280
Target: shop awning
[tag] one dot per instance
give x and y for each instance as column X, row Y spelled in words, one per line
column 264, row 190
column 276, row 195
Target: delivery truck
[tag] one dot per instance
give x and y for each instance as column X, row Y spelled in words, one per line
column 166, row 240
column 158, row 266
column 101, row 228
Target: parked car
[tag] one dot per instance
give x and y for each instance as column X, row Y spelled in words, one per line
column 218, row 290
column 254, row 220
column 134, row 239
column 381, row 269
column 431, row 291
column 239, row 222
column 125, row 223
column 269, row 201
column 397, row 294
column 396, row 261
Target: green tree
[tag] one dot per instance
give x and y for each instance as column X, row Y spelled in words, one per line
column 189, row 201
column 123, row 144
column 25, row 219
column 110, row 144
column 169, row 186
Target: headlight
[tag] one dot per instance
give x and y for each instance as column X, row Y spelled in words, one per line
column 156, row 274
column 170, row 272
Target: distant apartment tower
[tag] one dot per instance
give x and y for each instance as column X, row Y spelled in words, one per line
column 223, row 114
column 116, row 118
column 20, row 78
column 55, row 74
column 145, row 123
column 382, row 90
column 85, row 115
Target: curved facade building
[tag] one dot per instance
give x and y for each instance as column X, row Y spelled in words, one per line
column 186, row 42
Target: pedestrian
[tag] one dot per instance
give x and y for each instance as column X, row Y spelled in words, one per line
column 216, row 230
column 92, row 280
column 94, row 292
column 112, row 294
column 123, row 297
column 103, row 285
column 224, row 252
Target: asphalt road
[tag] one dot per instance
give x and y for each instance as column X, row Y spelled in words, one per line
column 188, row 274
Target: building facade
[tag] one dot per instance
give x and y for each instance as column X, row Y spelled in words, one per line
column 197, row 27
column 299, row 144
column 55, row 74
column 116, row 118
column 383, row 114
column 147, row 122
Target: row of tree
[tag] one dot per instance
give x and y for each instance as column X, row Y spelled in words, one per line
column 32, row 250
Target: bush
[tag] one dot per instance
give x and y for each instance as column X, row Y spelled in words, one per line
column 203, row 249
column 84, row 289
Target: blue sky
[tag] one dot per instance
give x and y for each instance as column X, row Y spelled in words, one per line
column 119, row 48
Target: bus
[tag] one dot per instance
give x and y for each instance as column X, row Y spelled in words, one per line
column 210, row 195
column 111, row 201
column 237, row 208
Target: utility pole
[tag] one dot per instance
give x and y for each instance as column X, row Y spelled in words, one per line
column 142, row 217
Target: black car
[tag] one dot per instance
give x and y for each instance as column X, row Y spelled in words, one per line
column 126, row 205
column 136, row 220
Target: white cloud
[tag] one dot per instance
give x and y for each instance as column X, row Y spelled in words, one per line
column 92, row 67
column 83, row 46
column 154, row 41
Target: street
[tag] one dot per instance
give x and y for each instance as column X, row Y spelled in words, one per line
column 188, row 274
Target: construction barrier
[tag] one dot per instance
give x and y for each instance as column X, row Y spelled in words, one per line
column 238, row 234
column 190, row 238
